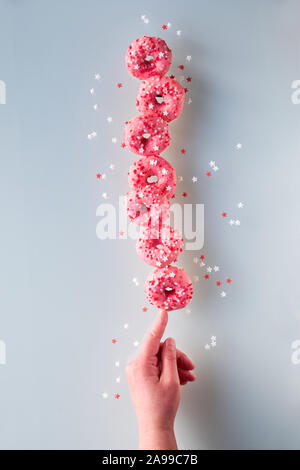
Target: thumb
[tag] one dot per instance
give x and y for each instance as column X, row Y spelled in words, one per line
column 169, row 372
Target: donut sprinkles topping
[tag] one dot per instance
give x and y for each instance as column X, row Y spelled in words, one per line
column 152, row 179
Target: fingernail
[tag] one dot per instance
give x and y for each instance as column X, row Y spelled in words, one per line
column 170, row 344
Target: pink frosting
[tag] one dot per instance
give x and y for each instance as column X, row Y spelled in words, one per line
column 169, row 288
column 159, row 247
column 155, row 169
column 148, row 56
column 163, row 96
column 147, row 209
column 146, row 135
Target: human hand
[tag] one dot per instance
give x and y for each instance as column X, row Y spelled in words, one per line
column 154, row 379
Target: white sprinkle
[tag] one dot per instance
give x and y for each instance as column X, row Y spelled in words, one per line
column 237, row 222
column 104, row 395
column 169, row 25
column 207, row 347
column 97, row 76
column 126, row 326
column 178, row 32
column 189, row 58
column 223, row 294
column 136, row 343
column 240, row 205
column 96, row 107
column 118, row 380
column 194, row 179
column 92, row 91
column 117, row 363
column 209, row 269
column 216, row 268
column 114, row 140
column 212, row 163
column 109, row 119
column 105, row 195
column 239, row 146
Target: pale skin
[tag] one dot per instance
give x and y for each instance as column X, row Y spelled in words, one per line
column 154, row 378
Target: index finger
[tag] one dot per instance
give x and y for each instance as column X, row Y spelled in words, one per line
column 152, row 342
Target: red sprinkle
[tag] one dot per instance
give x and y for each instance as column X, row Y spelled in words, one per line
column 145, row 309
column 218, row 283
column 117, row 396
column 208, row 173
column 119, row 85
column 98, row 176
column 114, row 340
column 123, row 145
column 185, row 194
column 224, row 214
column 164, row 26
column 228, row 280
column 206, row 276
column 181, row 67
column 183, row 151
column 189, row 79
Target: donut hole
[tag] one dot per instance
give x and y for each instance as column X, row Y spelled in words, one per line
column 152, row 179
column 159, row 99
column 169, row 290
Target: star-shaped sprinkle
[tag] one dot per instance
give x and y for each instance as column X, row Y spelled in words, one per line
column 202, row 257
column 164, row 27
column 189, row 79
column 213, row 338
column 231, row 222
column 96, row 107
column 118, row 380
column 180, row 67
column 109, row 119
column 223, row 294
column 207, row 347
column 114, row 140
column 202, row 264
column 237, row 222
column 119, row 85
column 194, row 179
column 144, row 309
column 169, row 25
column 117, row 396
column 155, row 147
column 172, row 274
column 136, row 281
column 105, row 195
column 92, row 91
column 125, row 326
column 98, row 176
column 224, row 214
column 104, row 395
column 103, row 176
column 114, row 341
column 216, row 269
column 208, row 173
column 240, row 205
column 136, row 343
column 212, row 163
column 228, row 280
column 238, row 146
column 218, row 283
column 178, row 32
column 97, row 76
column 183, row 151
column 209, row 269
column 117, row 363
column 213, row 344
column 189, row 58
column 185, row 194
column 206, row 276
column 112, row 166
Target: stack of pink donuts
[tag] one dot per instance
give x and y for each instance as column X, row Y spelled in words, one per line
column 152, row 179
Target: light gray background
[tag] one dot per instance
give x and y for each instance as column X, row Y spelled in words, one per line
column 65, row 294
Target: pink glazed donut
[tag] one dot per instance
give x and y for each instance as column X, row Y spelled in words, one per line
column 147, row 209
column 159, row 247
column 163, row 96
column 154, row 168
column 169, row 288
column 148, row 56
column 146, row 135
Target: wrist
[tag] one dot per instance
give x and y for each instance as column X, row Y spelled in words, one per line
column 157, row 437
